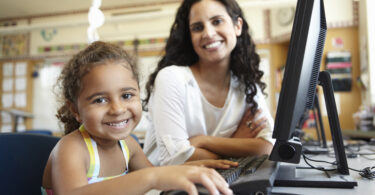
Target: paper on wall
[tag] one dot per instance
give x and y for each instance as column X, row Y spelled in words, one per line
column 7, row 100
column 7, row 84
column 6, row 128
column 21, row 68
column 20, row 100
column 21, row 127
column 323, row 104
column 8, row 69
column 21, row 84
column 6, row 117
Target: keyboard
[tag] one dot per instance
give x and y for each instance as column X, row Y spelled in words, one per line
column 254, row 175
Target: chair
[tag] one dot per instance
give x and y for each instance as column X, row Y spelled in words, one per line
column 22, row 160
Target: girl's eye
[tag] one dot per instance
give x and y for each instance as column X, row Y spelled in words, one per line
column 100, row 100
column 127, row 95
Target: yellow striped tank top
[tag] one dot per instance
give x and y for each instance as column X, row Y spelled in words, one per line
column 94, row 169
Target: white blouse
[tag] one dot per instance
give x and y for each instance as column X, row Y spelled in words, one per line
column 179, row 110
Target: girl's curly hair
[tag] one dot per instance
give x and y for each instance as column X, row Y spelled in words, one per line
column 69, row 83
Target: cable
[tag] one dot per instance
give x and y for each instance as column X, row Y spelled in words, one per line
column 305, row 158
column 366, row 172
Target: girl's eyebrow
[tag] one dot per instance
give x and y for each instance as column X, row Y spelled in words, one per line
column 94, row 95
column 129, row 89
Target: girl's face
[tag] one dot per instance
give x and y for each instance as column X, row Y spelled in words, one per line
column 109, row 104
column 213, row 33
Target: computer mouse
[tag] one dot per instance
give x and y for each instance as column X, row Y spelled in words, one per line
column 201, row 191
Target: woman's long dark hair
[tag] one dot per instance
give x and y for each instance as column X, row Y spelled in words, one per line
column 244, row 62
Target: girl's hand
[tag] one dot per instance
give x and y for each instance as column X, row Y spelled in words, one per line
column 250, row 125
column 185, row 177
column 215, row 164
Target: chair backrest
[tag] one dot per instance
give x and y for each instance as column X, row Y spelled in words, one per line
column 23, row 157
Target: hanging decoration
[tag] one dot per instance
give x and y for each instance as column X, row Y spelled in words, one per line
column 96, row 20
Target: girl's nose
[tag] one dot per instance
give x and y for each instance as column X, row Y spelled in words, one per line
column 117, row 108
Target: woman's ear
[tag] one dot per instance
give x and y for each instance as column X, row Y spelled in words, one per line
column 238, row 26
column 73, row 109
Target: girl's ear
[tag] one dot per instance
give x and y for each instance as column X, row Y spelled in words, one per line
column 238, row 26
column 73, row 109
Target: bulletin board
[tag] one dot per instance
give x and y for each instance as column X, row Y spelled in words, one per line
column 15, row 94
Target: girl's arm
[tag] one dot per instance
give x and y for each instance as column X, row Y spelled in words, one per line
column 138, row 159
column 69, row 167
column 160, row 178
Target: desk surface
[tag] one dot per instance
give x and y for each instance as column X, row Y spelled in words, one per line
column 365, row 186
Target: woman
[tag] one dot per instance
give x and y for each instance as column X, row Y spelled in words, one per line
column 205, row 97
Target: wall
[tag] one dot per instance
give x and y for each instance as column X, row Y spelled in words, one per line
column 267, row 31
column 349, row 102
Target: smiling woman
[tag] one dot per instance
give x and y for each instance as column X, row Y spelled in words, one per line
column 206, row 86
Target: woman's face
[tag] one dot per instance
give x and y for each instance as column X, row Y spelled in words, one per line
column 213, row 33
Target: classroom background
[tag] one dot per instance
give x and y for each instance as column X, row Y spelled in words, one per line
column 37, row 38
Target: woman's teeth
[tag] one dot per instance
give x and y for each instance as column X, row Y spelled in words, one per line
column 212, row 45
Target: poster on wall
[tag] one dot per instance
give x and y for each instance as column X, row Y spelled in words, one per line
column 14, row 45
column 339, row 65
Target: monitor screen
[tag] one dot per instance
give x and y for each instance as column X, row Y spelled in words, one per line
column 300, row 77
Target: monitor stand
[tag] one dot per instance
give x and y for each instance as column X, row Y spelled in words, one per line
column 293, row 176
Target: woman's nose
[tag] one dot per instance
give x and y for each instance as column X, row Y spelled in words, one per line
column 209, row 31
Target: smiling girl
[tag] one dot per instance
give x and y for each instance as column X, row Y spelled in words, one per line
column 97, row 156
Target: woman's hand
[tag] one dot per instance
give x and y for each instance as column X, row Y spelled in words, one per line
column 197, row 141
column 215, row 164
column 250, row 125
column 185, row 177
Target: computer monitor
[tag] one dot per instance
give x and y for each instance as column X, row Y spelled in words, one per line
column 301, row 76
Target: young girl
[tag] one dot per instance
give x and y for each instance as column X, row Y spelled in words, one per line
column 205, row 97
column 97, row 155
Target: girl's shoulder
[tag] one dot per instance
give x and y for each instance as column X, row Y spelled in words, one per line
column 71, row 143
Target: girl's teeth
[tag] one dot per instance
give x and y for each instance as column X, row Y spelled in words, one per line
column 118, row 124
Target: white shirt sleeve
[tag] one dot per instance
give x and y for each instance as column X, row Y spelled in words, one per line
column 168, row 116
column 265, row 133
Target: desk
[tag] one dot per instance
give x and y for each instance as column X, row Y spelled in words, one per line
column 16, row 115
column 364, row 186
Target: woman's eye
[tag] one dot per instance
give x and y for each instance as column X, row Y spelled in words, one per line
column 100, row 100
column 197, row 28
column 217, row 21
